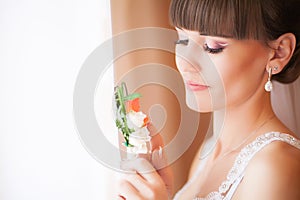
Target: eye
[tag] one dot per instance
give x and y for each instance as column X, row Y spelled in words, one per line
column 212, row 50
column 183, row 42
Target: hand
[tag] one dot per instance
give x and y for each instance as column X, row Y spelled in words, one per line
column 147, row 181
column 143, row 183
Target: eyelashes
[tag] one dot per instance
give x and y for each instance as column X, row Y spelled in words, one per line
column 184, row 42
column 212, row 50
column 205, row 46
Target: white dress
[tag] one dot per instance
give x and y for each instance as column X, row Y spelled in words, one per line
column 236, row 173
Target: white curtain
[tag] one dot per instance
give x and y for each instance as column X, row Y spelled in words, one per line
column 43, row 44
column 285, row 101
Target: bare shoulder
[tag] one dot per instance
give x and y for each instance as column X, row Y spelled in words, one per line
column 274, row 173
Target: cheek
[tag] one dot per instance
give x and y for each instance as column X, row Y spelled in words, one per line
column 201, row 101
column 181, row 64
column 242, row 71
column 186, row 58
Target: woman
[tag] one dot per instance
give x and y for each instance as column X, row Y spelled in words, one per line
column 228, row 54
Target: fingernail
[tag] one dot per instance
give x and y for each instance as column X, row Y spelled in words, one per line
column 121, row 197
column 159, row 159
column 160, row 152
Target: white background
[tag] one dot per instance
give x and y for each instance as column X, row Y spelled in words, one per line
column 43, row 44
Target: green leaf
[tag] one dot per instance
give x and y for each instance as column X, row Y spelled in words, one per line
column 119, row 124
column 121, row 96
column 131, row 130
column 132, row 96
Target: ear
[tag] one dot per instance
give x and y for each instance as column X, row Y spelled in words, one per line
column 282, row 51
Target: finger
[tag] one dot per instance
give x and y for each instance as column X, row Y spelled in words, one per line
column 156, row 142
column 128, row 191
column 143, row 168
column 152, row 129
column 159, row 161
column 156, row 138
column 120, row 197
column 139, row 183
column 139, row 164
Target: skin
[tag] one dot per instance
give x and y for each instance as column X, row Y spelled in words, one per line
column 147, row 180
column 237, row 74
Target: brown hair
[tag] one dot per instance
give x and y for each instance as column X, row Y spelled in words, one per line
column 263, row 20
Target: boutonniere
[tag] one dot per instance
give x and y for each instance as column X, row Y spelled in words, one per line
column 130, row 120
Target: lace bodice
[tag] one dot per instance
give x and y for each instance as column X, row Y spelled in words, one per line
column 236, row 173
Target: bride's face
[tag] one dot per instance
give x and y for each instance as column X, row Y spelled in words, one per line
column 220, row 72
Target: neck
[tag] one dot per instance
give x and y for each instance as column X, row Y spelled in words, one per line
column 243, row 123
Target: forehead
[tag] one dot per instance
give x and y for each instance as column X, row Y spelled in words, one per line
column 187, row 32
column 196, row 35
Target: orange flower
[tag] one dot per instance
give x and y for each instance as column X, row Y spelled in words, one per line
column 134, row 105
column 146, row 121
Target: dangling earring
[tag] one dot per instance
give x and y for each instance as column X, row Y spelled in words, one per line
column 269, row 85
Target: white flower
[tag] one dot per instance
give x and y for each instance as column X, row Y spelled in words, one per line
column 139, row 139
column 142, row 133
column 137, row 118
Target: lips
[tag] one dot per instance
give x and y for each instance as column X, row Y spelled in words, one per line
column 194, row 86
column 193, row 81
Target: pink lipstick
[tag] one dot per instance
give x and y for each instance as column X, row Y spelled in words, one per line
column 196, row 86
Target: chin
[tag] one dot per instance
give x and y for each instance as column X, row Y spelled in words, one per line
column 198, row 106
column 203, row 103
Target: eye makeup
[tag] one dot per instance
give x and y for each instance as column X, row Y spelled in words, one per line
column 184, row 42
column 209, row 44
column 214, row 47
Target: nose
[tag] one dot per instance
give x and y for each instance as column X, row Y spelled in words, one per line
column 187, row 57
column 184, row 65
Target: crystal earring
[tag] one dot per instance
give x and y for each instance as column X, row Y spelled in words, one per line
column 269, row 85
